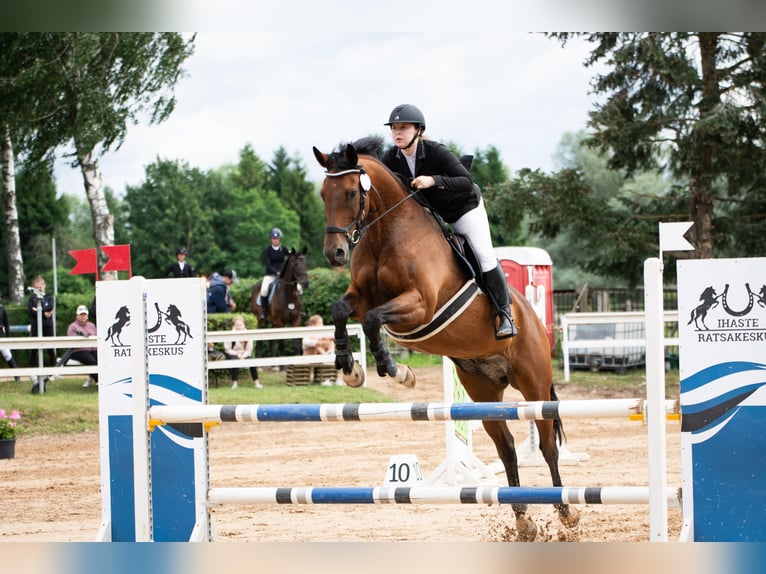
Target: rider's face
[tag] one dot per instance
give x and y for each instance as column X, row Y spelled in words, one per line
column 402, row 134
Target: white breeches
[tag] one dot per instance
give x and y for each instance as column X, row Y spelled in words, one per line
column 475, row 226
column 265, row 284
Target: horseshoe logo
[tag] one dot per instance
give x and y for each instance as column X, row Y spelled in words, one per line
column 731, row 311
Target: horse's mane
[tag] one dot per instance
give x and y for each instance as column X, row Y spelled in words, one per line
column 369, row 145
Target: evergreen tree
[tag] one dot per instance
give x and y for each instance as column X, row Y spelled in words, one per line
column 692, row 104
column 287, row 179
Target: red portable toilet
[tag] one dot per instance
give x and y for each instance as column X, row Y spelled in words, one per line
column 530, row 270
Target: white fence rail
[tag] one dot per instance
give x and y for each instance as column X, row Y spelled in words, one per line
column 354, row 330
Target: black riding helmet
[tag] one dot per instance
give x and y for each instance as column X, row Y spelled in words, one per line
column 407, row 114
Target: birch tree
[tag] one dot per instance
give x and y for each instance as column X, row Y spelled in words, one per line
column 107, row 81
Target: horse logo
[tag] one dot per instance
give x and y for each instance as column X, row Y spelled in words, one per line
column 122, row 319
column 173, row 317
column 761, row 295
column 709, row 301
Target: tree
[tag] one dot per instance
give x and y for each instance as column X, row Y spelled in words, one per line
column 692, row 104
column 102, row 82
column 22, row 103
column 12, row 239
column 43, row 214
column 593, row 221
column 287, row 179
column 167, row 211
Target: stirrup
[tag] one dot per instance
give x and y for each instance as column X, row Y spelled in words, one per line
column 506, row 329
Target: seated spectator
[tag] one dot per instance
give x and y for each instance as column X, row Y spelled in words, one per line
column 320, row 346
column 82, row 327
column 317, row 345
column 241, row 350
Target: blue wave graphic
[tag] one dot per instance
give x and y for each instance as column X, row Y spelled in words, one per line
column 701, row 417
column 176, row 386
column 719, row 371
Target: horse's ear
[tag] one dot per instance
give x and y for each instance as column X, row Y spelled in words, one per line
column 351, row 155
column 304, row 250
column 321, row 158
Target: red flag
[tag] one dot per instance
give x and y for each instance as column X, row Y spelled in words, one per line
column 85, row 261
column 119, row 258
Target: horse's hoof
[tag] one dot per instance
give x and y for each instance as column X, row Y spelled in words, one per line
column 405, row 376
column 569, row 516
column 355, row 378
column 526, row 529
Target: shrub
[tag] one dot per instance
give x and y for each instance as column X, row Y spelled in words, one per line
column 325, row 287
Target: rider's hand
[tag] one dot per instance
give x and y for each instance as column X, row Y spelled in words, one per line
column 422, row 182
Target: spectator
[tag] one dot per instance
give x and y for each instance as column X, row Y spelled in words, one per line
column 218, row 296
column 181, row 267
column 5, row 331
column 241, row 350
column 82, row 327
column 317, row 345
column 320, row 346
column 273, row 257
column 44, row 302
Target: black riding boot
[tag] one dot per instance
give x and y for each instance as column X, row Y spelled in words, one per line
column 12, row 364
column 262, row 316
column 497, row 290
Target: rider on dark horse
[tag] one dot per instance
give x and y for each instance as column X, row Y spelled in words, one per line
column 273, row 257
column 446, row 184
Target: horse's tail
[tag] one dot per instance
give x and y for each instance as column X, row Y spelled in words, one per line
column 558, row 425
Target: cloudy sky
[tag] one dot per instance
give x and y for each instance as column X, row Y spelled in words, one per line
column 517, row 91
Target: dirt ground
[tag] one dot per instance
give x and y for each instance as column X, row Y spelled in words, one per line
column 53, row 484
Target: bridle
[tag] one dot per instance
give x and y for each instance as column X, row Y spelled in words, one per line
column 359, row 223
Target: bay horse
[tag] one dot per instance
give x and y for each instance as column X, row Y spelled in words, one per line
column 403, row 273
column 284, row 303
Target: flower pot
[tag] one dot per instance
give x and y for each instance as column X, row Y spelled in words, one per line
column 8, row 448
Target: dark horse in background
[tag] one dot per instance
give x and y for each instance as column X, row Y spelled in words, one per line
column 284, row 303
column 403, row 272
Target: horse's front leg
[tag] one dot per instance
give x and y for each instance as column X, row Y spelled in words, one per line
column 353, row 375
column 399, row 310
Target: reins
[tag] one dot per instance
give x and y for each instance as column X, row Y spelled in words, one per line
column 365, row 184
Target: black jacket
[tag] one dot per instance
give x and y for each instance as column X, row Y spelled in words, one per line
column 48, row 304
column 274, row 259
column 453, row 194
column 175, row 269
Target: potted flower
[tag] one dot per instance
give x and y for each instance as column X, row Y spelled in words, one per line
column 9, row 431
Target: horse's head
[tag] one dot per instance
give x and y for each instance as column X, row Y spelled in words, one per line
column 344, row 193
column 298, row 267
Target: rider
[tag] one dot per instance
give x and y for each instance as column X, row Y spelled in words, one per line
column 273, row 257
column 431, row 167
